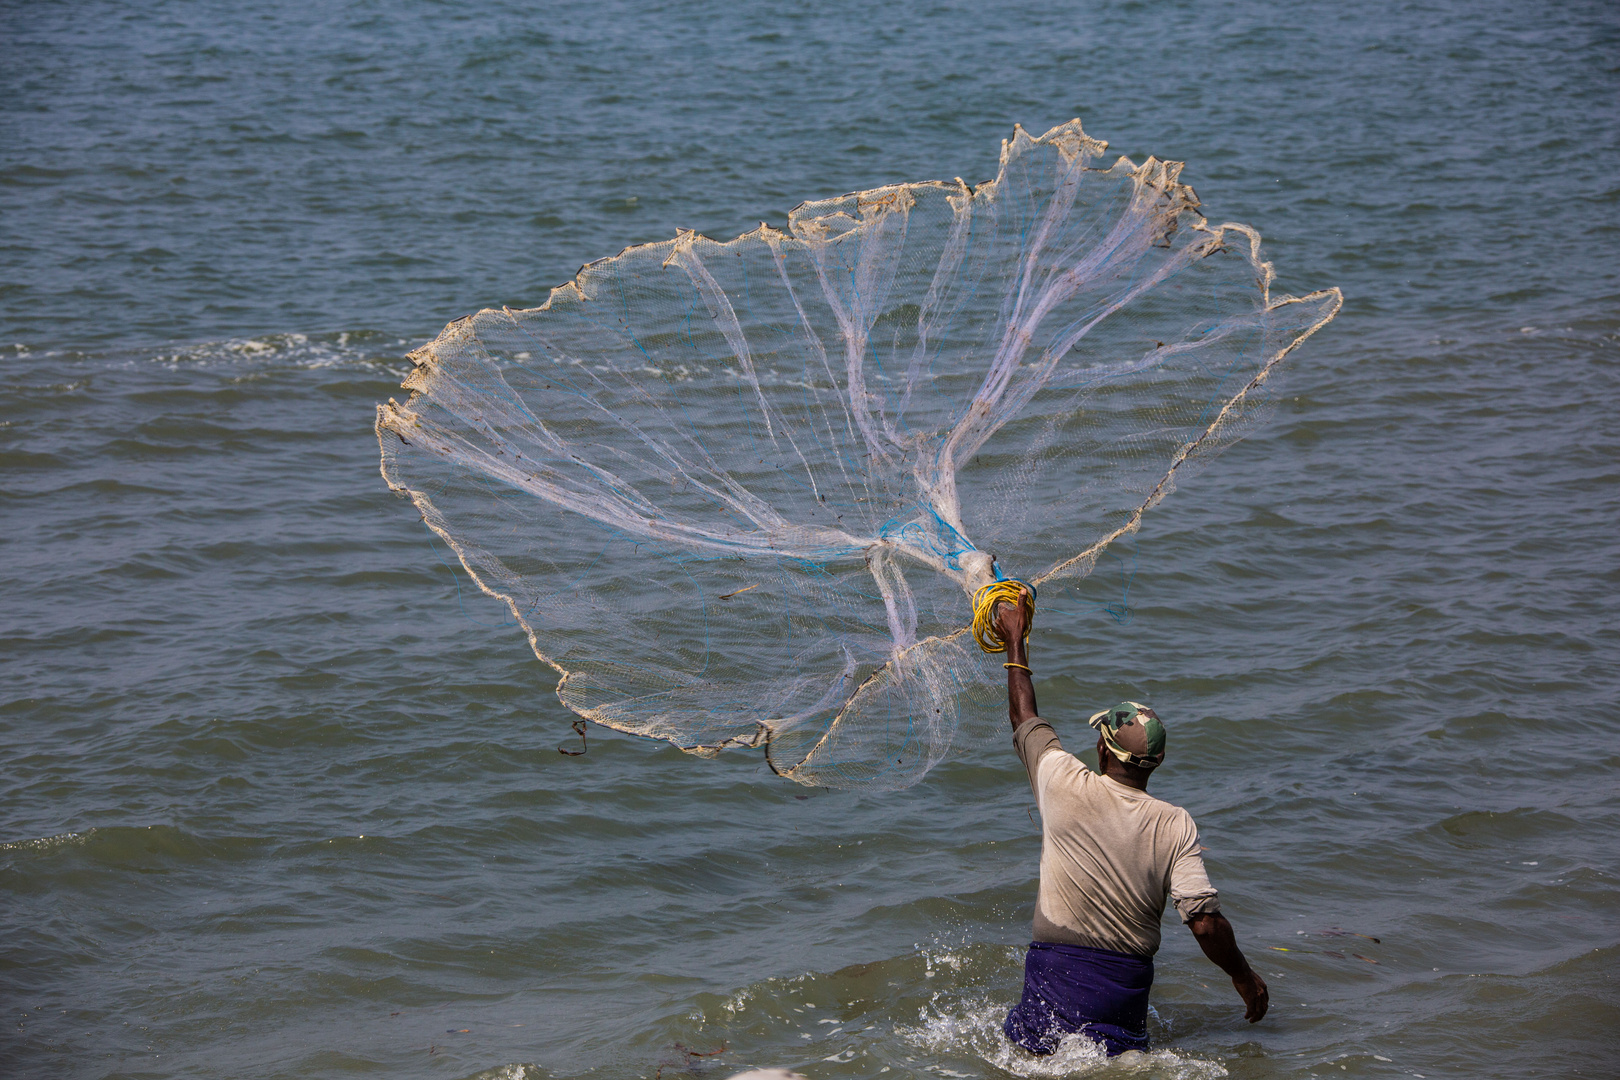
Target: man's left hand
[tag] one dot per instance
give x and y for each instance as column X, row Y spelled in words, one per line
column 1256, row 998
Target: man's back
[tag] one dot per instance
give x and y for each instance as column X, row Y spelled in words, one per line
column 1109, row 856
column 1110, row 853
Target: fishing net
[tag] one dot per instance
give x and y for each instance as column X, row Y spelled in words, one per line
column 738, row 493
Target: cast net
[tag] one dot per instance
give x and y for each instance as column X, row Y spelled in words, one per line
column 738, row 493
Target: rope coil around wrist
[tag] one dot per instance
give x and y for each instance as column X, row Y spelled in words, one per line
column 984, row 606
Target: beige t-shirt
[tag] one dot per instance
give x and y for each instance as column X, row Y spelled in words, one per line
column 1110, row 854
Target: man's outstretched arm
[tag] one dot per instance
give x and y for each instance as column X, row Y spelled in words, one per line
column 1012, row 622
column 1215, row 937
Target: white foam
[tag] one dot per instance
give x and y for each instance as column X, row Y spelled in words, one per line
column 973, row 1026
column 368, row 352
column 509, row 1072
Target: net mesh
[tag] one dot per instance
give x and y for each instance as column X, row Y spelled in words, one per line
column 736, row 492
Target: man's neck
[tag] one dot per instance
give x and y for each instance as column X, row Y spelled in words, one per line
column 1120, row 776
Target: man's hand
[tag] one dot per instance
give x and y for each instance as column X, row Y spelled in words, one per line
column 1256, row 998
column 1012, row 620
column 1215, row 937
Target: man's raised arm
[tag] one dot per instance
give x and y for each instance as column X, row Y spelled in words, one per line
column 1012, row 621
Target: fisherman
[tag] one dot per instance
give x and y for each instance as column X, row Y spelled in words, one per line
column 1110, row 854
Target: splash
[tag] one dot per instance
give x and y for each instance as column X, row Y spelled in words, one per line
column 973, row 1027
column 735, row 492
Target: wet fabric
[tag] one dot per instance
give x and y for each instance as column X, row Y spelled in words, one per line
column 1070, row 988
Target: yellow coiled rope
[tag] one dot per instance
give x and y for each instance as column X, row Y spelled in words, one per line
column 984, row 606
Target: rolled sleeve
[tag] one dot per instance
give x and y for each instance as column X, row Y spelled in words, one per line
column 1208, row 904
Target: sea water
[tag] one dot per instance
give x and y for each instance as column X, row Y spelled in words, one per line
column 282, row 794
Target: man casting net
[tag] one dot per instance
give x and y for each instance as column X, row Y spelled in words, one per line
column 802, row 448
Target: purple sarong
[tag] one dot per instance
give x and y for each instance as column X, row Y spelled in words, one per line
column 1069, row 988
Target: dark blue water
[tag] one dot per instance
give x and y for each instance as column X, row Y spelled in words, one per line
column 281, row 793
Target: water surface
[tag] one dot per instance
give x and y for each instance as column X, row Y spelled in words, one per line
column 282, row 795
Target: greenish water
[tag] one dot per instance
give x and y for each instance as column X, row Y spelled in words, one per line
column 282, row 794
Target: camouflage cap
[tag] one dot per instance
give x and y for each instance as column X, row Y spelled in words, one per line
column 1132, row 732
